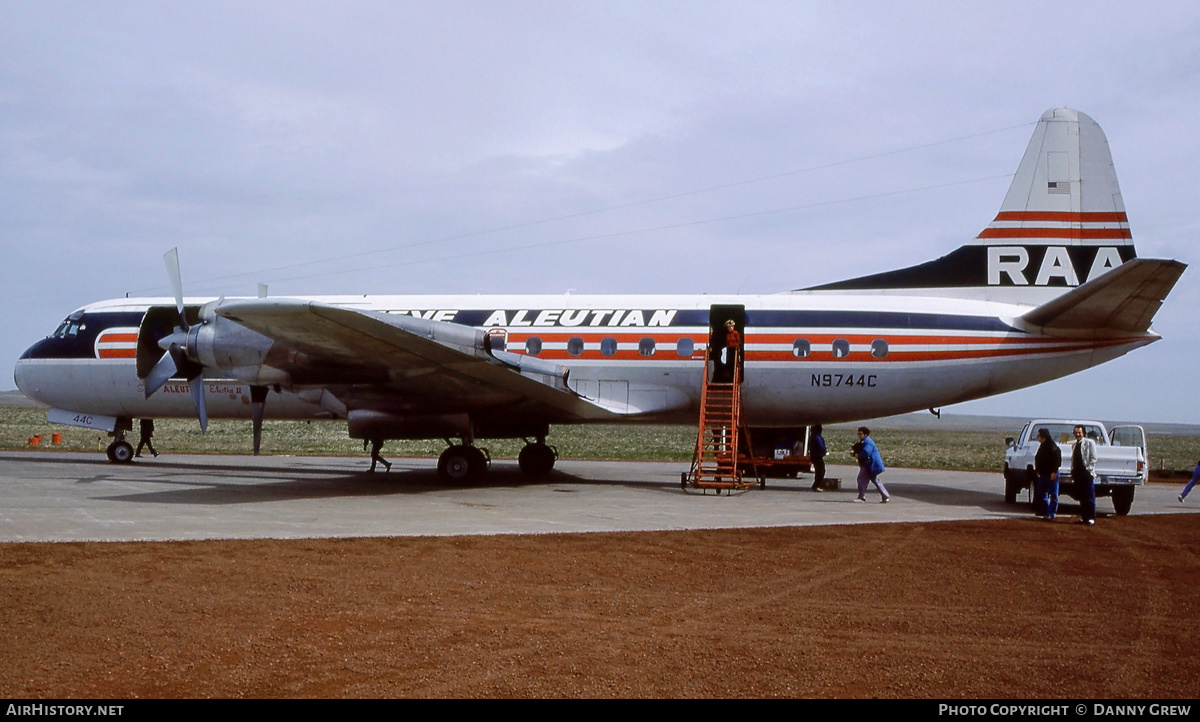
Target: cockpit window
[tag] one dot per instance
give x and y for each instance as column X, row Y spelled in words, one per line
column 70, row 326
column 68, row 329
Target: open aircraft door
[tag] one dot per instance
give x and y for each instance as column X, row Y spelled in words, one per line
column 717, row 316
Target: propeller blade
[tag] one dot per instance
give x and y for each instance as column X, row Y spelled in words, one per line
column 258, row 402
column 196, row 386
column 171, row 258
column 161, row 373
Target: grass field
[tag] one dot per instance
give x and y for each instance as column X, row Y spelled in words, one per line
column 957, row 446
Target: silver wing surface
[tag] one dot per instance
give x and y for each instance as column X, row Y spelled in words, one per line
column 407, row 365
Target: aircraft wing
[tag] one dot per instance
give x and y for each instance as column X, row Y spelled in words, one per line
column 412, row 363
column 1123, row 300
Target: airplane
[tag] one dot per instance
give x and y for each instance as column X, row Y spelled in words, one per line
column 1050, row 287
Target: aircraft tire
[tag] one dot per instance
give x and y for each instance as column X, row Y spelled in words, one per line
column 537, row 460
column 120, row 452
column 462, row 464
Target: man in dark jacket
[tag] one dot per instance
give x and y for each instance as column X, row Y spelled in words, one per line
column 816, row 452
column 1046, row 464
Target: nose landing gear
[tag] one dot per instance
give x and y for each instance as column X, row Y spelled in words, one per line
column 120, row 452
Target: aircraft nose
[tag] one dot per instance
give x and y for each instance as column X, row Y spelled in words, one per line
column 24, row 373
column 21, row 376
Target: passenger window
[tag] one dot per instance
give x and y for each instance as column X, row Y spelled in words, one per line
column 685, row 347
column 575, row 346
column 533, row 346
column 879, row 348
column 646, row 347
column 841, row 348
column 801, row 348
column 608, row 346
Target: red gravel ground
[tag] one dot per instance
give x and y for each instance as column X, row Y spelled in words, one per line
column 1015, row 608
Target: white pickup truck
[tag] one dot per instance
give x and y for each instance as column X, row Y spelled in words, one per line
column 1120, row 460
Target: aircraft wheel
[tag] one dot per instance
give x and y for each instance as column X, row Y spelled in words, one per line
column 460, row 464
column 537, row 459
column 120, row 452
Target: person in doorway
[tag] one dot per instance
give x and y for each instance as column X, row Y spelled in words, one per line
column 1083, row 473
column 870, row 466
column 376, row 447
column 146, row 429
column 727, row 361
column 816, row 452
column 1190, row 484
column 1046, row 464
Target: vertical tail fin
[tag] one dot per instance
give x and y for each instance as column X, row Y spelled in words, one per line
column 1062, row 223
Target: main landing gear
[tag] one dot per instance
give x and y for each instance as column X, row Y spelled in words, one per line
column 462, row 463
column 465, row 463
column 537, row 458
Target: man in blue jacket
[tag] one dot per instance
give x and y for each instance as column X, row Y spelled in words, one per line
column 870, row 466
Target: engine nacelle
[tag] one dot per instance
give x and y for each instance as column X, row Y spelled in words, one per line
column 221, row 346
column 227, row 345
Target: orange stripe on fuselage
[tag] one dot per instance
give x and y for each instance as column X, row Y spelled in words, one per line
column 118, row 353
column 1063, row 216
column 118, row 338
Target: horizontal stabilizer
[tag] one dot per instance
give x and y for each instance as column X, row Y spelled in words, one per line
column 1123, row 300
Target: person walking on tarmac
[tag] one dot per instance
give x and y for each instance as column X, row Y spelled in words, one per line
column 146, row 427
column 1195, row 478
column 376, row 458
column 816, row 452
column 870, row 466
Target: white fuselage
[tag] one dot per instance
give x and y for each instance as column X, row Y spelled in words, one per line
column 810, row 357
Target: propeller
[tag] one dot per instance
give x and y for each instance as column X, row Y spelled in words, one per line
column 174, row 361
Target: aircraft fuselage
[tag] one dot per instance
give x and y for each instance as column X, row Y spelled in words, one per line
column 809, row 357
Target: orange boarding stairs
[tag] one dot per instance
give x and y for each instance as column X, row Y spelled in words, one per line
column 715, row 463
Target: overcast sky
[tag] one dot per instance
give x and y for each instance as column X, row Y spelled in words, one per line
column 463, row 147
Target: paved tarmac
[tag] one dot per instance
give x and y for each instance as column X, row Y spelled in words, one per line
column 54, row 496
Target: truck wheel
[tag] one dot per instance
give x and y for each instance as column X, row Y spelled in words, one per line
column 1122, row 497
column 1011, row 487
column 1035, row 501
